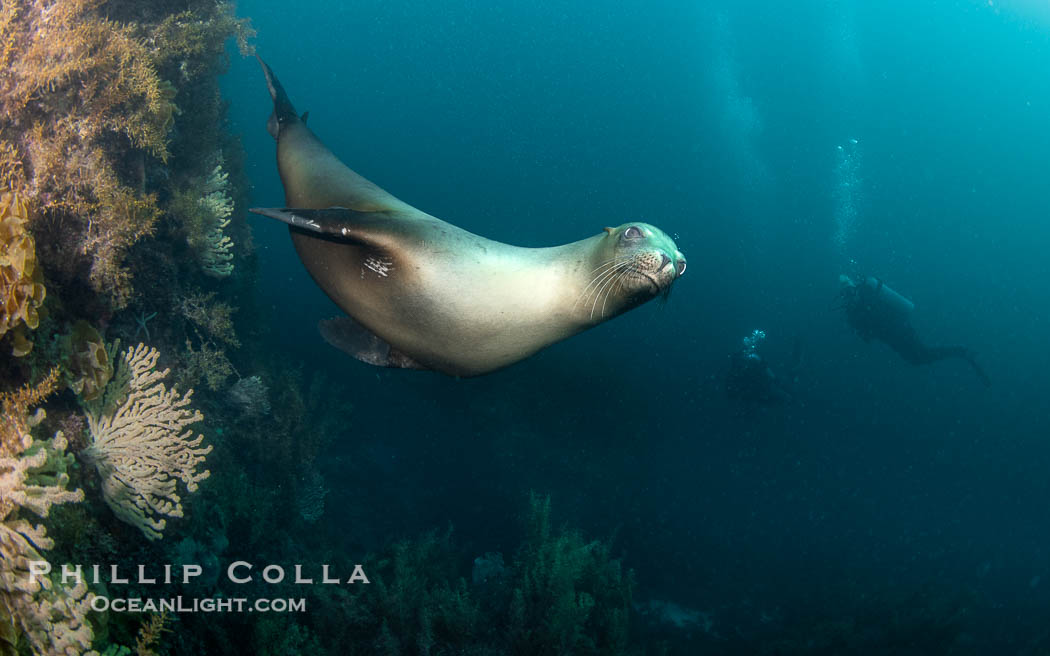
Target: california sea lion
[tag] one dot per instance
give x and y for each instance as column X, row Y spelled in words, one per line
column 422, row 293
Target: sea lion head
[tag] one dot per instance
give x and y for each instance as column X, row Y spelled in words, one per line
column 648, row 261
column 633, row 263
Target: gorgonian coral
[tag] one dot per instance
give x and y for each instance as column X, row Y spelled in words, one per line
column 204, row 207
column 142, row 447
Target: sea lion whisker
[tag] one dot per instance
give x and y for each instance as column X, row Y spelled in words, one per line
column 619, row 282
column 597, row 281
column 587, row 290
column 600, row 277
column 598, row 295
column 608, row 266
column 608, row 290
column 606, row 284
column 607, row 275
column 615, row 260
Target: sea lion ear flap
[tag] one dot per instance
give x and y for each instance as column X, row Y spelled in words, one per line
column 609, row 230
column 337, row 222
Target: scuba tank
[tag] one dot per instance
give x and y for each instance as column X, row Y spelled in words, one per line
column 878, row 295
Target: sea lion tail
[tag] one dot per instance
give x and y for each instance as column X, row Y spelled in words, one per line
column 283, row 111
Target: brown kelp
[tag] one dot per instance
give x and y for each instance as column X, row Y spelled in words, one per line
column 90, row 96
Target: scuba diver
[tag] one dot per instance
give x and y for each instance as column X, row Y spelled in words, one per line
column 877, row 312
column 752, row 381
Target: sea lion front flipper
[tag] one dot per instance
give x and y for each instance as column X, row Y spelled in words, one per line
column 338, row 222
column 351, row 337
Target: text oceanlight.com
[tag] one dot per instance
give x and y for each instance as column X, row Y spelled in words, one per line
column 193, row 605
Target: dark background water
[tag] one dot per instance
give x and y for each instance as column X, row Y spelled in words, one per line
column 541, row 122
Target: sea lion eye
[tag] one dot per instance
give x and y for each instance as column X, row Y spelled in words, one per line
column 634, row 232
column 681, row 267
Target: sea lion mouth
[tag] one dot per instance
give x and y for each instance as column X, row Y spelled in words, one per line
column 652, row 272
column 657, row 289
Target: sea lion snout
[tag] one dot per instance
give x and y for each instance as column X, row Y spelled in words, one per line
column 664, row 270
column 677, row 264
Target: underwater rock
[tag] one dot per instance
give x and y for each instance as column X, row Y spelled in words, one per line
column 251, row 396
column 672, row 614
column 488, row 568
column 310, row 500
column 189, row 552
column 207, row 366
column 214, row 317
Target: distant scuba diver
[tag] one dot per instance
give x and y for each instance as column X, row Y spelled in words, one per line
column 751, row 380
column 875, row 311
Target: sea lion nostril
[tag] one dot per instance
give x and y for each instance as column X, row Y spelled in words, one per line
column 664, row 261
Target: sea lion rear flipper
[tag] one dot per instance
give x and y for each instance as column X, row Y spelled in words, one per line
column 309, row 169
column 351, row 337
column 283, row 111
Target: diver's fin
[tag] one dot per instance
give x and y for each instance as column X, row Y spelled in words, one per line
column 971, row 357
column 351, row 337
column 336, row 222
column 795, row 363
column 283, row 111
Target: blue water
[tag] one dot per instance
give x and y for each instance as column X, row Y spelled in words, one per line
column 538, row 123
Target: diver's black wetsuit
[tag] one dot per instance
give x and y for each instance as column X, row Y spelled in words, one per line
column 752, row 381
column 873, row 320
